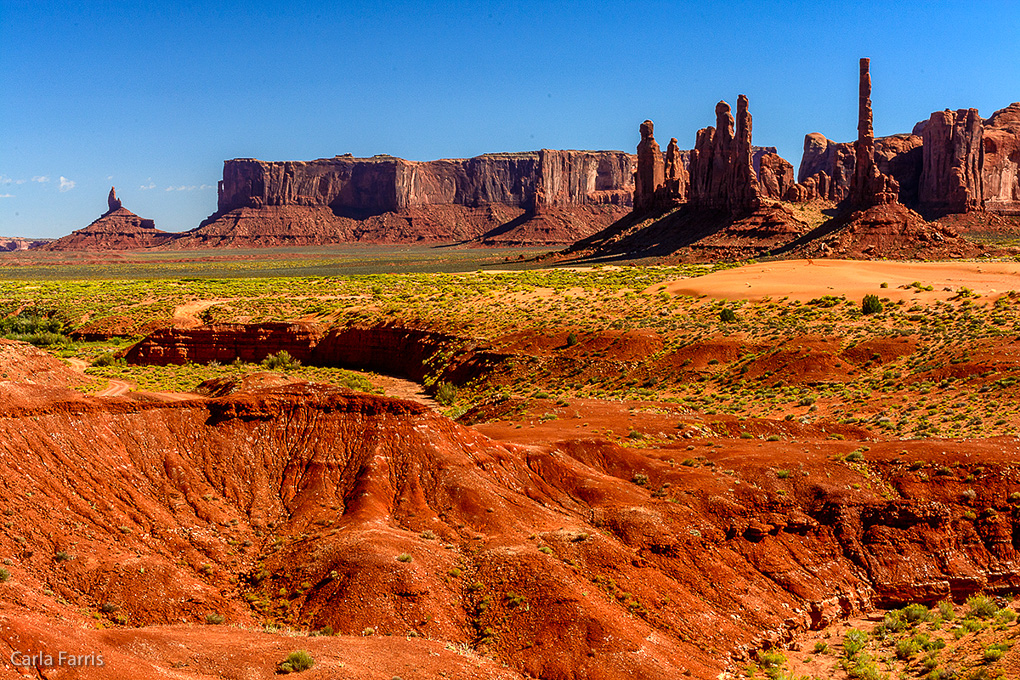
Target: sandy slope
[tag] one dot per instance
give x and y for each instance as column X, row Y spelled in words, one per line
column 806, row 279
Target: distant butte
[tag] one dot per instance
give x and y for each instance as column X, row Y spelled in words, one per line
column 116, row 229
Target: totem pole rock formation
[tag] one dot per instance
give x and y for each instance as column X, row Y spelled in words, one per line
column 650, row 168
column 112, row 200
column 869, row 186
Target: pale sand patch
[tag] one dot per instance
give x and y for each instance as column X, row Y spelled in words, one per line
column 807, row 279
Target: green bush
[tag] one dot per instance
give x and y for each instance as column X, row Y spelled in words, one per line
column 946, row 610
column 108, row 359
column 906, row 649
column 915, row 613
column 871, row 305
column 727, row 315
column 214, row 619
column 981, row 607
column 296, row 662
column 4, row 575
column 853, row 642
column 281, row 361
column 771, row 663
column 446, row 393
column 571, row 339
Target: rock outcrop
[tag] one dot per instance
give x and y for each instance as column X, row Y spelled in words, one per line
column 952, row 163
column 775, row 176
column 722, row 173
column 1000, row 169
column 116, row 229
column 12, row 243
column 952, row 155
column 677, row 178
column 112, row 200
column 383, row 199
column 869, row 186
column 651, row 174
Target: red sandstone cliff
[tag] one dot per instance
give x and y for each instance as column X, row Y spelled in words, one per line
column 491, row 198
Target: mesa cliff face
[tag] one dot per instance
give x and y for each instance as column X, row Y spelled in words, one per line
column 358, row 187
column 389, row 199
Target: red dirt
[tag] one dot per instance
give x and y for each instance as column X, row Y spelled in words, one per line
column 301, row 499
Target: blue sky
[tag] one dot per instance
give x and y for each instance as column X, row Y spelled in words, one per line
column 152, row 97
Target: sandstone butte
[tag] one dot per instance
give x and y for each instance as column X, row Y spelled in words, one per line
column 116, row 229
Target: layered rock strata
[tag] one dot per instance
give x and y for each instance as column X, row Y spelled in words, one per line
column 951, row 177
column 1000, row 167
column 358, row 187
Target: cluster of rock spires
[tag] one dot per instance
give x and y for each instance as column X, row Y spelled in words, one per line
column 722, row 170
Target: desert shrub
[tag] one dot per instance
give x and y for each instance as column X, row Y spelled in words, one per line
column 906, row 649
column 871, row 305
column 862, row 667
column 446, row 393
column 771, row 663
column 281, row 361
column 946, row 610
column 992, row 654
column 783, row 474
column 1005, row 615
column 571, row 339
column 727, row 315
column 853, row 642
column 62, row 556
column 4, row 575
column 640, row 478
column 296, row 662
column 404, row 557
column 821, row 647
column 915, row 613
column 981, row 607
column 108, row 359
column 894, row 621
column 214, row 618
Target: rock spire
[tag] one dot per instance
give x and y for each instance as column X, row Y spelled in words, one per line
column 112, row 200
column 869, row 187
column 650, row 168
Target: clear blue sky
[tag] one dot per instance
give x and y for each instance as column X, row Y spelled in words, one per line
column 154, row 96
